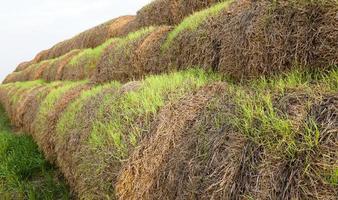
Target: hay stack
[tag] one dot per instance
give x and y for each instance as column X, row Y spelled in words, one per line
column 263, row 38
column 50, row 109
column 254, row 38
column 116, row 62
column 147, row 57
column 92, row 37
column 54, row 70
column 170, row 12
column 198, row 151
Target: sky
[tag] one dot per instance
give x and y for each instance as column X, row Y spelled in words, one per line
column 29, row 26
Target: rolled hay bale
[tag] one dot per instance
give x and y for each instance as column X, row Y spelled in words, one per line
column 29, row 106
column 310, row 174
column 83, row 65
column 21, row 76
column 37, row 73
column 23, row 66
column 92, row 151
column 175, row 160
column 73, row 130
column 92, row 37
column 122, row 26
column 264, row 38
column 14, row 96
column 194, row 42
column 116, row 62
column 170, row 12
column 53, row 71
column 158, row 12
column 46, row 118
column 239, row 145
column 184, row 8
column 147, row 57
column 37, row 59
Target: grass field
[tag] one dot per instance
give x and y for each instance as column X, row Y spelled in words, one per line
column 24, row 173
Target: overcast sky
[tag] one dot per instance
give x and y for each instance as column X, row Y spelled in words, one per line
column 29, row 26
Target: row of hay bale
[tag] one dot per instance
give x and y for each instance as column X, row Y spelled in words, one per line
column 158, row 12
column 242, row 39
column 75, row 65
column 88, row 39
column 75, row 122
column 187, row 135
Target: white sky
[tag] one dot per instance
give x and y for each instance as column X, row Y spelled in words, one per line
column 29, row 26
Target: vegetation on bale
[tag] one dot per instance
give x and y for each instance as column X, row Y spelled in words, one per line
column 256, row 102
column 19, row 87
column 121, row 129
column 49, row 102
column 24, row 174
column 88, row 58
column 122, row 42
column 274, row 138
column 68, row 119
column 192, row 22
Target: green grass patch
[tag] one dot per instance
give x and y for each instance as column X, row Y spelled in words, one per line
column 24, row 173
column 192, row 22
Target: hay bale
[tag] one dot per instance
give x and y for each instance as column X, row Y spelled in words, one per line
column 198, row 154
column 156, row 13
column 42, row 123
column 303, row 176
column 88, row 144
column 195, row 42
column 147, row 57
column 28, row 108
column 53, row 70
column 116, row 62
column 91, row 38
column 83, row 65
column 23, row 66
column 170, row 12
column 263, row 38
column 73, row 132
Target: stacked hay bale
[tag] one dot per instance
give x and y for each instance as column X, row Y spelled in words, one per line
column 132, row 57
column 254, row 38
column 263, row 140
column 87, row 39
column 170, row 12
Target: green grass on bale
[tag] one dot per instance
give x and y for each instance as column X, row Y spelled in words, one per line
column 24, row 173
column 192, row 22
column 121, row 129
column 89, row 57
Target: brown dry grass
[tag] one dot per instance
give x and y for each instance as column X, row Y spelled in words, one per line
column 47, row 138
column 142, row 177
column 72, row 151
column 116, row 63
column 54, row 70
column 90, row 38
column 262, row 38
column 147, row 57
column 170, row 12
